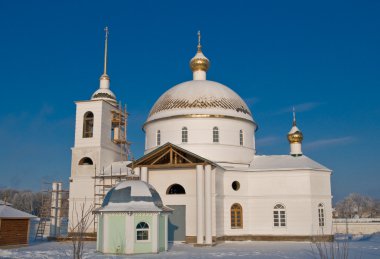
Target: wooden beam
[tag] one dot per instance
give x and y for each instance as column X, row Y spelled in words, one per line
column 171, row 155
column 183, row 157
column 164, row 154
column 171, row 166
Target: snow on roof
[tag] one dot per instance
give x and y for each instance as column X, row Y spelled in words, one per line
column 5, row 203
column 279, row 162
column 132, row 195
column 119, row 167
column 284, row 162
column 138, row 188
column 9, row 212
column 200, row 97
column 133, row 206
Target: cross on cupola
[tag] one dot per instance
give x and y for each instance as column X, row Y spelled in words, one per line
column 199, row 64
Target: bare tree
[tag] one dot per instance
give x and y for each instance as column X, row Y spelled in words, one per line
column 325, row 248
column 356, row 205
column 84, row 218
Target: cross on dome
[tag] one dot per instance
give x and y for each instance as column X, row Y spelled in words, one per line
column 199, row 64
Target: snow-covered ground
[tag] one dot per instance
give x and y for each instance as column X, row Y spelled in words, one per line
column 359, row 248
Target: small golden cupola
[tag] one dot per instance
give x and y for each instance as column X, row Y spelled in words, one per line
column 295, row 138
column 199, row 64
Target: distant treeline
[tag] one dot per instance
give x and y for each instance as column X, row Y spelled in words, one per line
column 357, row 206
column 28, row 201
column 353, row 206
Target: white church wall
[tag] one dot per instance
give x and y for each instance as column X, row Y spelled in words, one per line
column 200, row 137
column 161, row 179
column 260, row 191
column 321, row 193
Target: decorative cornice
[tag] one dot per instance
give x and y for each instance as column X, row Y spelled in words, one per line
column 103, row 95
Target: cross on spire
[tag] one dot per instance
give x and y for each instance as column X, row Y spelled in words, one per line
column 294, row 116
column 199, row 42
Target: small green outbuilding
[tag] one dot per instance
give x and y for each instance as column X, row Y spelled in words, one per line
column 132, row 220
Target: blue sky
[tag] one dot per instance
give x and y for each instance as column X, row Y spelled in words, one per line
column 322, row 57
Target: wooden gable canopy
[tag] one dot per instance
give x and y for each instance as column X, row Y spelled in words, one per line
column 170, row 156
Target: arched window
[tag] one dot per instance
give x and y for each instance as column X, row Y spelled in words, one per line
column 142, row 231
column 184, row 135
column 215, row 135
column 175, row 189
column 85, row 161
column 158, row 138
column 236, row 216
column 241, row 138
column 321, row 215
column 88, row 125
column 279, row 216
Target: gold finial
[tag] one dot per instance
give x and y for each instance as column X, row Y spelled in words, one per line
column 105, row 52
column 199, row 62
column 295, row 135
column 199, row 42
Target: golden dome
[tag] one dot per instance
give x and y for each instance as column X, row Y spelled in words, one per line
column 199, row 62
column 295, row 137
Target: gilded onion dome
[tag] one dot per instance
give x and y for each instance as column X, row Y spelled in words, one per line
column 199, row 62
column 295, row 135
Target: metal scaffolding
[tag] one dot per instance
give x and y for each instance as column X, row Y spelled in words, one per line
column 104, row 180
column 54, row 207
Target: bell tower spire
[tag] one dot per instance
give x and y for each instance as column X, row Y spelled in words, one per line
column 104, row 92
column 105, row 52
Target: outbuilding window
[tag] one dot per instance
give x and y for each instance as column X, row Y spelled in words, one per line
column 321, row 215
column 158, row 138
column 236, row 216
column 142, row 231
column 184, row 135
column 88, row 125
column 279, row 216
column 215, row 135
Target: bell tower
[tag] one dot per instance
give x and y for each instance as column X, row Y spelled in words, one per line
column 100, row 140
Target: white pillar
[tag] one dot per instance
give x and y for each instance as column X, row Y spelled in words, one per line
column 144, row 174
column 208, row 206
column 166, row 232
column 130, row 238
column 200, row 205
column 55, row 209
column 136, row 171
column 154, row 232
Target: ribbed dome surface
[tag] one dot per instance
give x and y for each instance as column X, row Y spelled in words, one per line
column 200, row 97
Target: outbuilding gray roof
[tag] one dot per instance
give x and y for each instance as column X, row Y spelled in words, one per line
column 133, row 196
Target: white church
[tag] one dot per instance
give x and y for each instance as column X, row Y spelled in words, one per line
column 200, row 156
